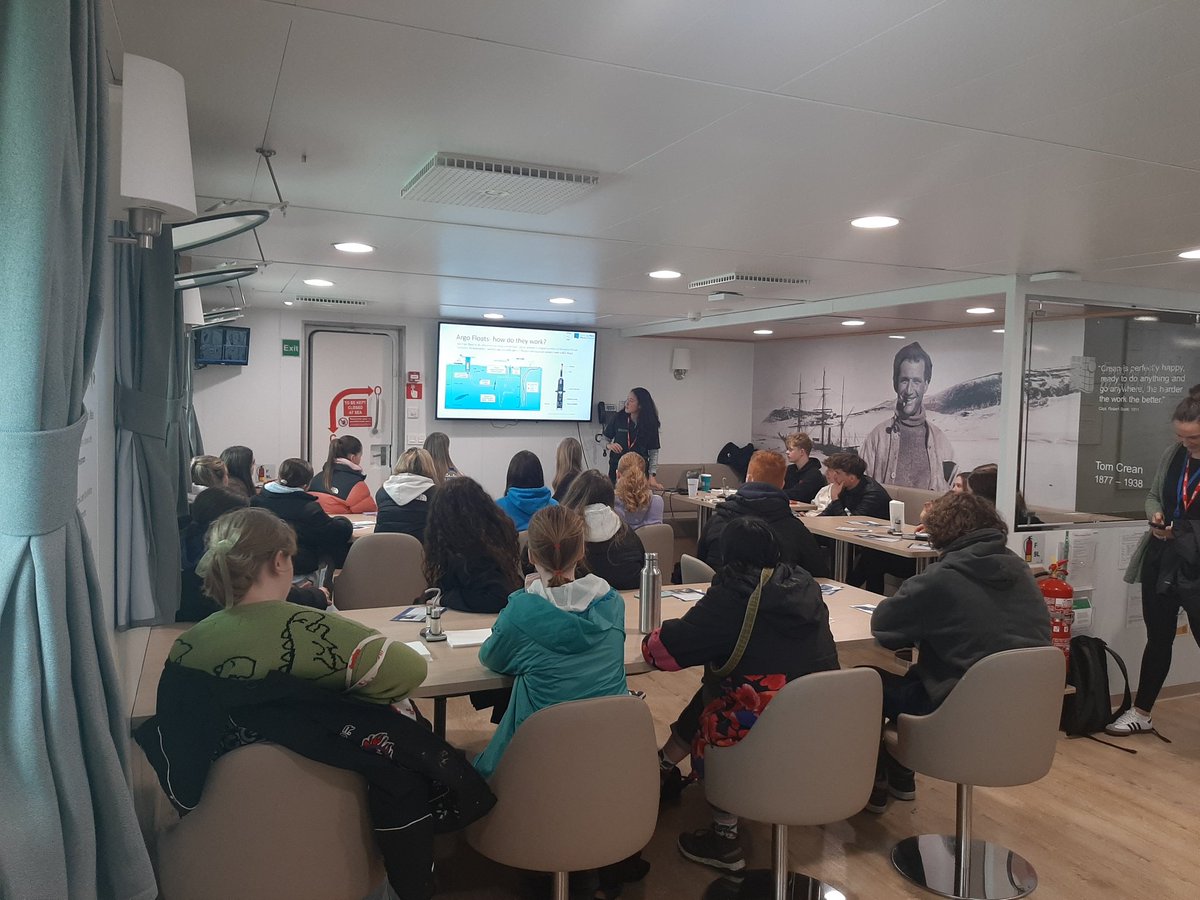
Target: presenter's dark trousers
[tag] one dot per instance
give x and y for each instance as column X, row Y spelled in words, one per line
column 1160, row 614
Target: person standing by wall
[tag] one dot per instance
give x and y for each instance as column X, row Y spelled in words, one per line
column 635, row 430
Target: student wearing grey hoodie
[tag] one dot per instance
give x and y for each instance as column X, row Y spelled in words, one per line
column 404, row 498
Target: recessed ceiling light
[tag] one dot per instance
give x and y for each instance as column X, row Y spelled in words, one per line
column 493, row 315
column 980, row 311
column 763, row 331
column 562, row 301
column 354, row 247
column 664, row 273
column 997, row 331
column 318, row 282
column 288, row 302
column 875, row 222
column 896, row 337
column 854, row 323
column 1190, row 254
column 1145, row 318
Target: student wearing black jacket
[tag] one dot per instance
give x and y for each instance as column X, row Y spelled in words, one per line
column 635, row 430
column 762, row 496
column 803, row 477
column 854, row 493
column 405, row 497
column 612, row 549
column 319, row 538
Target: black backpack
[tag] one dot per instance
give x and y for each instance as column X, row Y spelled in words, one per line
column 1089, row 709
column 737, row 458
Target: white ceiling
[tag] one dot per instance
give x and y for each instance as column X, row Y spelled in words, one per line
column 1010, row 137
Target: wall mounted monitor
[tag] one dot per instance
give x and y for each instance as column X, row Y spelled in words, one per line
column 515, row 373
column 221, row 345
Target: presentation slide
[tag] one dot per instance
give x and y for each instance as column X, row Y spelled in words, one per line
column 497, row 372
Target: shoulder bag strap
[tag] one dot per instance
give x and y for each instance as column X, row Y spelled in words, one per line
column 370, row 674
column 747, row 626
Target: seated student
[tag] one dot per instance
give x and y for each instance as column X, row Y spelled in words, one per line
column 636, row 503
column 562, row 637
column 803, row 478
column 319, row 538
column 404, row 498
column 762, row 496
column 983, row 480
column 568, row 462
column 525, row 490
column 790, row 638
column 614, row 551
column 471, row 549
column 852, row 491
column 438, row 445
column 239, row 463
column 959, row 484
column 194, row 603
column 208, row 471
column 341, row 485
column 979, row 599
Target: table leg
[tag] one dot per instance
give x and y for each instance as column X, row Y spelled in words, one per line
column 439, row 716
column 922, row 564
column 841, row 560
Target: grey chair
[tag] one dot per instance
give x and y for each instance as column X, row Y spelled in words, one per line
column 381, row 570
column 695, row 571
column 809, row 760
column 577, row 789
column 998, row 728
column 274, row 826
column 660, row 539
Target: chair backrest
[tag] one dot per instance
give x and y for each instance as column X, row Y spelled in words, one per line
column 695, row 571
column 660, row 539
column 577, row 788
column 274, row 826
column 998, row 727
column 809, row 759
column 380, row 570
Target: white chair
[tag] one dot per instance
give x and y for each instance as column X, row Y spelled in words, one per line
column 272, row 825
column 577, row 789
column 695, row 571
column 381, row 570
column 998, row 728
column 808, row 760
column 660, row 539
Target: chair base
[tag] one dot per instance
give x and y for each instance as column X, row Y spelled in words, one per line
column 996, row 873
column 759, row 884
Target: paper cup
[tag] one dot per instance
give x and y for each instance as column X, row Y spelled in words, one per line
column 693, row 486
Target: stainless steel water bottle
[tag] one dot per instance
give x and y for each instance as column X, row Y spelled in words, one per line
column 651, row 595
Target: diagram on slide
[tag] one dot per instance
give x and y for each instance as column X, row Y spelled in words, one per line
column 496, row 385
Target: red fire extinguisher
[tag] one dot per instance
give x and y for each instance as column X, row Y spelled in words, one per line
column 1060, row 601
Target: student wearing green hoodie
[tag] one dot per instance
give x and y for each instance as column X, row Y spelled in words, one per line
column 562, row 638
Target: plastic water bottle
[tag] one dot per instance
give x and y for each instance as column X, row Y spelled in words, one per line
column 651, row 611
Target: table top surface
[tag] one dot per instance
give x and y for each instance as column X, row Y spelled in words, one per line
column 458, row 671
column 874, row 535
column 713, row 499
column 364, row 524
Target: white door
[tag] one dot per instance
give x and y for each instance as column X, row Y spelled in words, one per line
column 353, row 387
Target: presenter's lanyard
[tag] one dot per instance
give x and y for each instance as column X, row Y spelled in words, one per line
column 1189, row 488
column 630, row 432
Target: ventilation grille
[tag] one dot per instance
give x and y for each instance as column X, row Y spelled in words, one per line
column 745, row 278
column 458, row 180
column 330, row 302
column 221, row 316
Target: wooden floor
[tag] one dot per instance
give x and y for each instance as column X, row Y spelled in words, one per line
column 1102, row 824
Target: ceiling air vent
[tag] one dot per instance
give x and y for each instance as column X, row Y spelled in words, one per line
column 459, row 180
column 331, row 302
column 745, row 279
column 221, row 316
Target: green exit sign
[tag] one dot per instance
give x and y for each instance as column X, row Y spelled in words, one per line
column 291, row 348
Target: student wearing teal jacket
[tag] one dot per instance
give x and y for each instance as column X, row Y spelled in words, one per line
column 562, row 638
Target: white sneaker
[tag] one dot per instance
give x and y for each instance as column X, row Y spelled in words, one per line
column 1130, row 722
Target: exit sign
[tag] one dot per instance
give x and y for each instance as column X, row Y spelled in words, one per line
column 291, row 348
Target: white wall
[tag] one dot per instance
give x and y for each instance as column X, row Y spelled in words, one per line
column 259, row 405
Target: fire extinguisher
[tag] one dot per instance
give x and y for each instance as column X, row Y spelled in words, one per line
column 1060, row 602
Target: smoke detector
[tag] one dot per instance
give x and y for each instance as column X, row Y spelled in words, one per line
column 459, row 180
column 745, row 279
column 723, row 296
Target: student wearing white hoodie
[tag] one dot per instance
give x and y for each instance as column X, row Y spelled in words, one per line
column 614, row 551
column 404, row 498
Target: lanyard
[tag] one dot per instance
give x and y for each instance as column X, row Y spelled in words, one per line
column 1186, row 497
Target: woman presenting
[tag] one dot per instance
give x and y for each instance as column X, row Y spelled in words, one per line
column 1166, row 561
column 635, row 430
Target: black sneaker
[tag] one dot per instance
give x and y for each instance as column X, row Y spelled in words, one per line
column 878, row 802
column 902, row 785
column 670, row 785
column 711, row 849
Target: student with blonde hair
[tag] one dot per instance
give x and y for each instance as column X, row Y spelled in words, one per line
column 635, row 502
column 404, row 498
column 208, row 471
column 803, row 477
column 341, row 485
column 568, row 463
column 562, row 637
column 247, row 569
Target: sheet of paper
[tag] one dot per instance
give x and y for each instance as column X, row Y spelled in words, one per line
column 413, row 614
column 866, row 524
column 865, row 607
column 358, row 525
column 420, row 648
column 1133, row 605
column 688, row 594
column 1129, row 542
column 885, row 538
column 919, row 545
column 827, row 589
column 853, row 530
column 468, row 637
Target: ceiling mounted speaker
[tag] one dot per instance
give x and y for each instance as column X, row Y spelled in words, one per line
column 458, row 180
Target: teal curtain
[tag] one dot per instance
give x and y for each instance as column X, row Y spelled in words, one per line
column 67, row 825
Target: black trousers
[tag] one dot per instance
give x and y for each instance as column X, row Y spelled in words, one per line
column 1160, row 614
column 901, row 694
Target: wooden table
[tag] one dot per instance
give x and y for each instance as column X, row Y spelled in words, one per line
column 453, row 672
column 707, row 501
column 868, row 536
column 364, row 524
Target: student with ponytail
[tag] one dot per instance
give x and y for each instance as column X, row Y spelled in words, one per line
column 341, row 485
column 562, row 638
